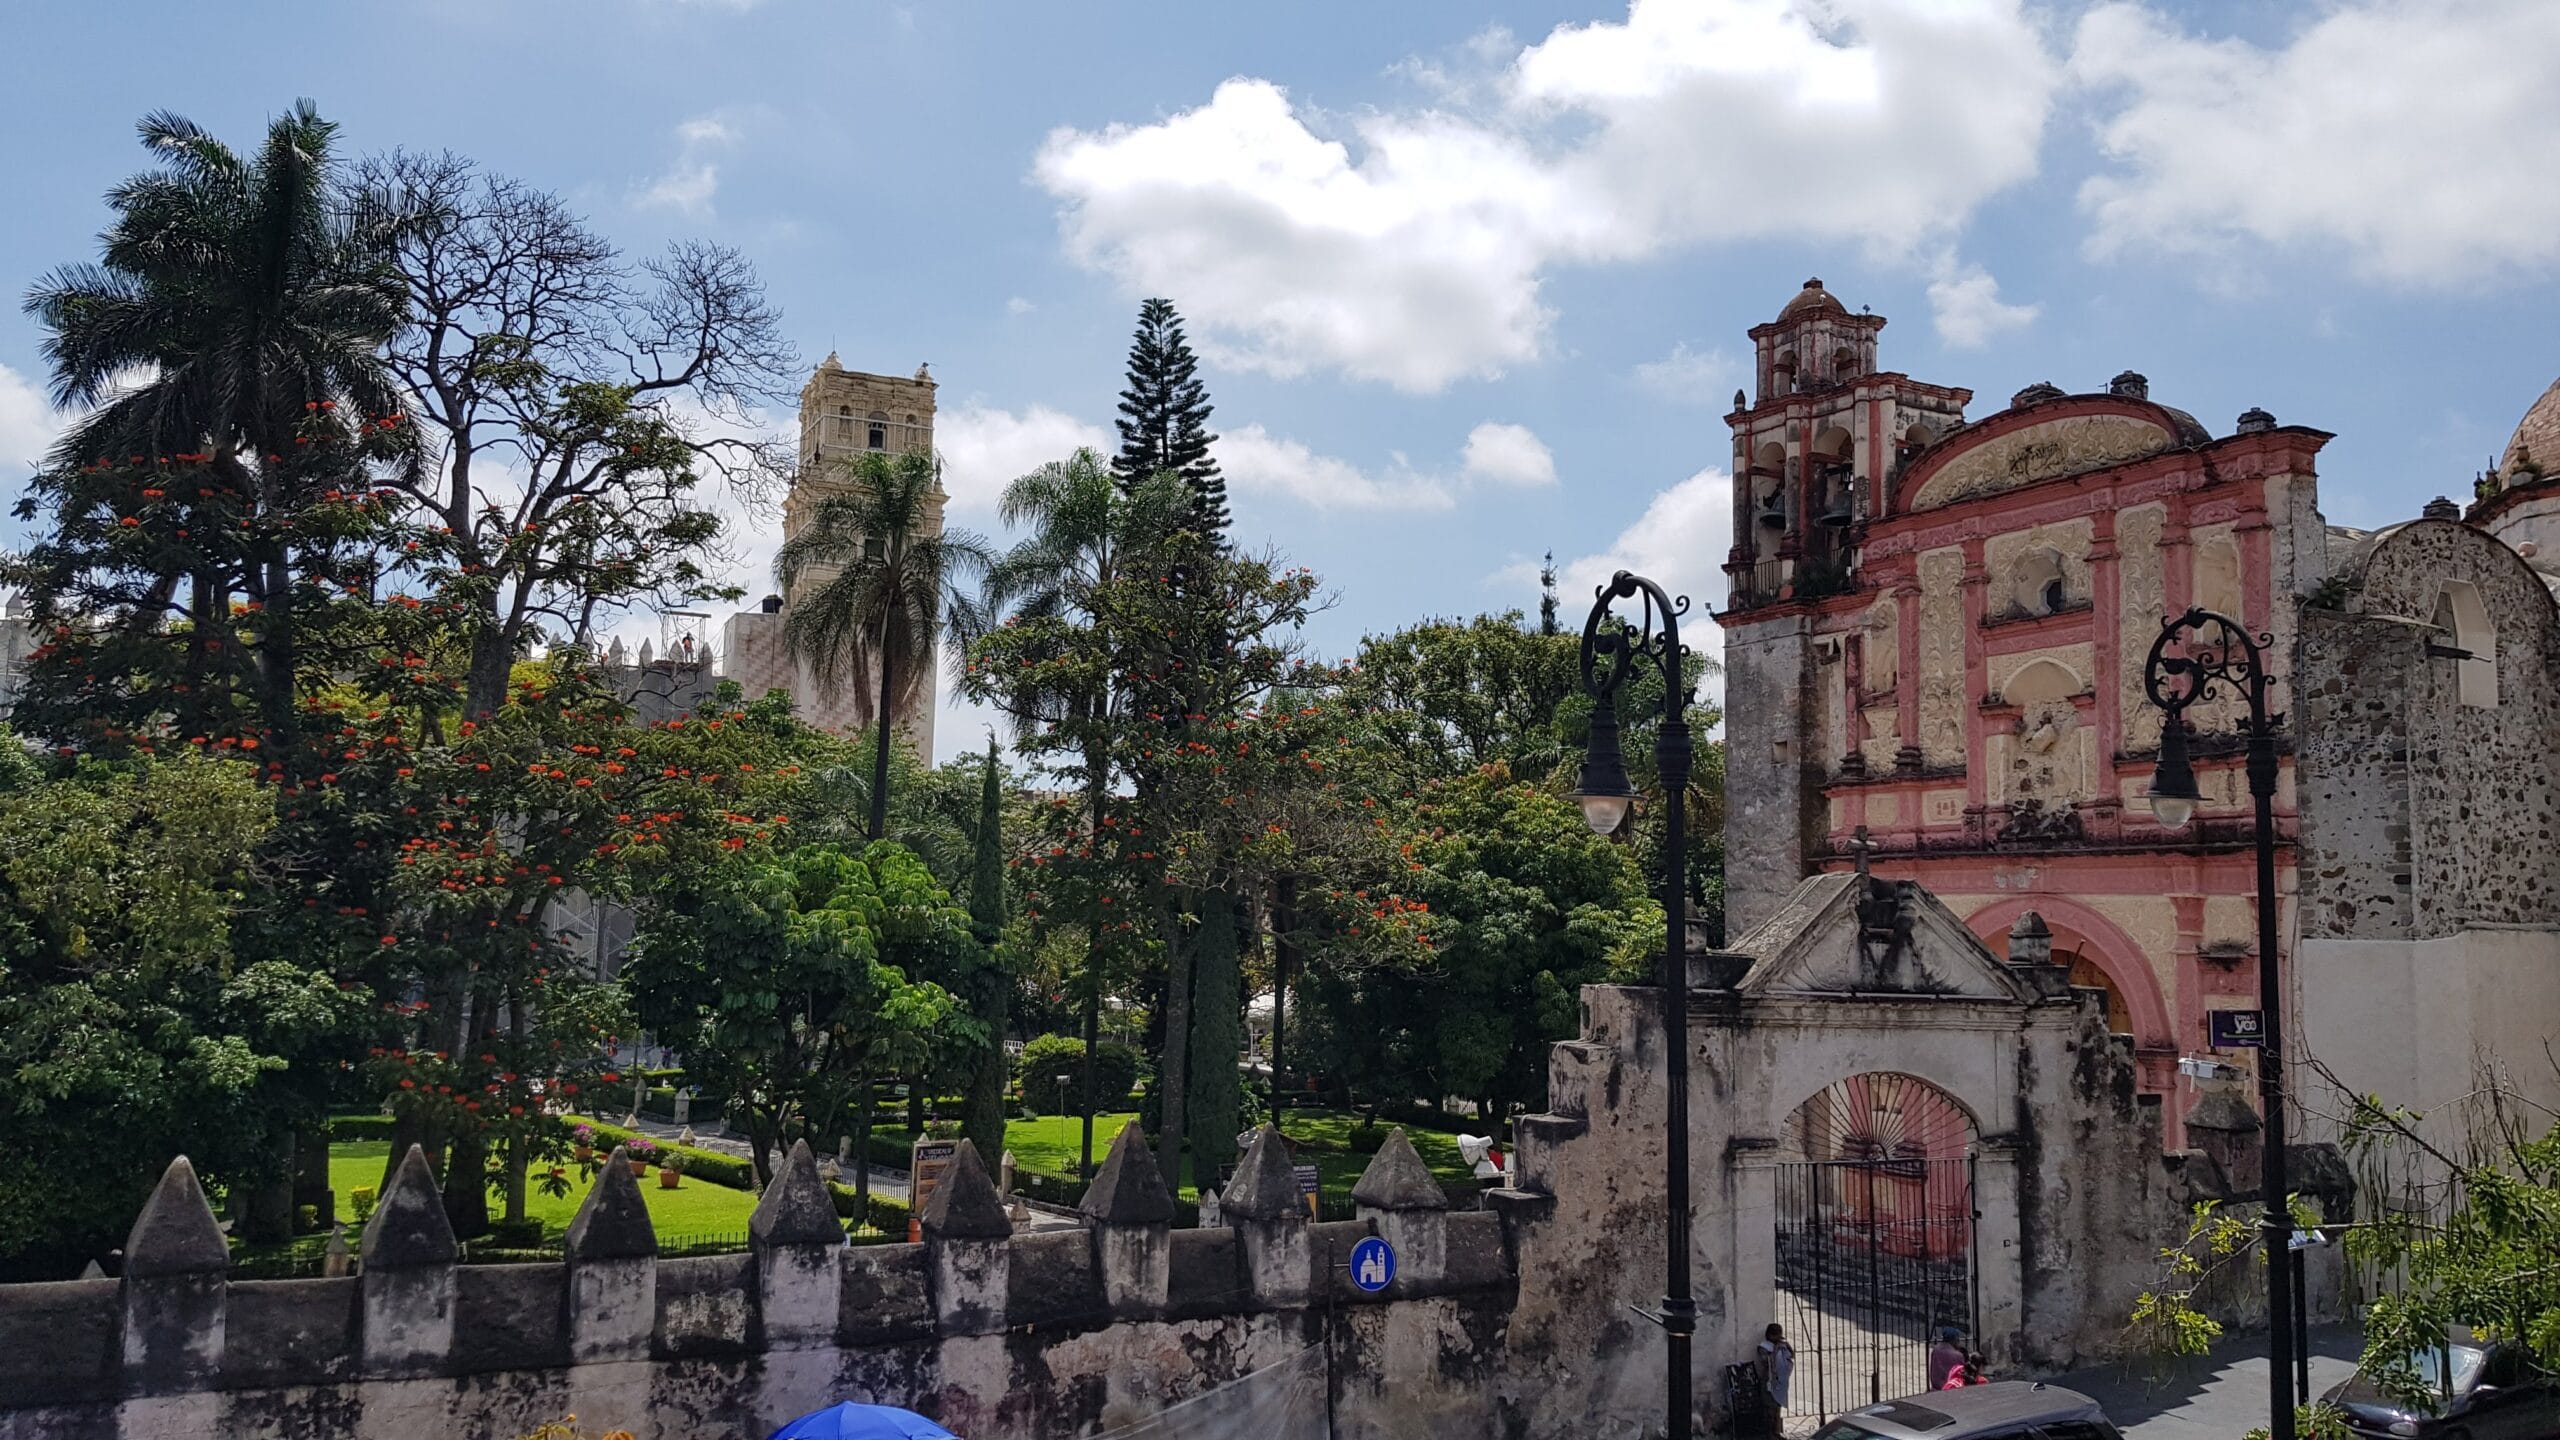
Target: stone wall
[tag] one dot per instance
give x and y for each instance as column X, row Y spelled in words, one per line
column 999, row 1335
column 1772, row 809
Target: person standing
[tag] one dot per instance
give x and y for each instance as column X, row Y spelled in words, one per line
column 1945, row 1358
column 1777, row 1366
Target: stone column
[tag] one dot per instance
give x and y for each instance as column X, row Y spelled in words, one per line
column 1999, row 1255
column 612, row 1249
column 1263, row 1206
column 1753, row 1303
column 1409, row 1210
column 969, row 1245
column 409, row 1259
column 799, row 1251
column 176, row 1289
column 1132, row 1214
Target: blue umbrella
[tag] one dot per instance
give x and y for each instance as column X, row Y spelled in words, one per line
column 863, row 1422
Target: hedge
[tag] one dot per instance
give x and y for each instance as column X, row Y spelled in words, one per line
column 358, row 1128
column 737, row 1173
column 1045, row 1059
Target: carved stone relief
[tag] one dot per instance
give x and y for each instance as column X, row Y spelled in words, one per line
column 2138, row 612
column 2068, row 446
column 1942, row 677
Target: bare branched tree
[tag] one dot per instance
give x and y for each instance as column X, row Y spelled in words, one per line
column 572, row 405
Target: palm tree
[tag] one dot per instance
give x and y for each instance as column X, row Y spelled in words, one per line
column 236, row 297
column 884, row 586
column 1081, row 525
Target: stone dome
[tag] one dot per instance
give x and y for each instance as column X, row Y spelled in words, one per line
column 1811, row 298
column 2537, row 434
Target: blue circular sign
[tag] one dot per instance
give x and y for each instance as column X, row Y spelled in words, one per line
column 1373, row 1264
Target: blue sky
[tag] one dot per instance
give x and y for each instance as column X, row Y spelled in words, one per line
column 1472, row 281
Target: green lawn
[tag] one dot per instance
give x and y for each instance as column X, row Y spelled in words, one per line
column 1052, row 1144
column 693, row 1208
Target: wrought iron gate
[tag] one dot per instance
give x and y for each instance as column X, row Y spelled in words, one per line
column 1875, row 1256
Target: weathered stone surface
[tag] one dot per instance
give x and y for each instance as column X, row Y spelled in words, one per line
column 1128, row 1189
column 57, row 1343
column 1206, row 1272
column 508, row 1317
column 1264, row 1188
column 795, row 1208
column 408, row 1227
column 1051, row 1281
column 1398, row 1180
column 885, row 1300
column 292, row 1332
column 706, row 1306
column 176, row 1233
column 965, row 1206
column 613, row 1221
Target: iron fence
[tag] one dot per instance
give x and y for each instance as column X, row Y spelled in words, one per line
column 1874, row 1258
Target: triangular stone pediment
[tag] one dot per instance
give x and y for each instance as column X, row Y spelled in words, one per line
column 1842, row 934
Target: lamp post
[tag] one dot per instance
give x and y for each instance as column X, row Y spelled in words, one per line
column 1610, row 649
column 2213, row 650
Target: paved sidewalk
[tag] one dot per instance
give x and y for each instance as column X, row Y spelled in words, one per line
column 2219, row 1396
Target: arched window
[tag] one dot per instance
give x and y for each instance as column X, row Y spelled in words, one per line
column 2461, row 614
column 877, row 433
column 844, row 425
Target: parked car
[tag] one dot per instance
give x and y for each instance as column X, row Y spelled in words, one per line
column 2483, row 1392
column 2002, row 1410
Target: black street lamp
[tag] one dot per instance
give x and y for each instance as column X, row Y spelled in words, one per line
column 2214, row 650
column 1610, row 649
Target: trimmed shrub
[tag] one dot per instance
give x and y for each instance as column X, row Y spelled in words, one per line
column 351, row 1129
column 1045, row 1059
column 360, row 1203
column 523, row 1234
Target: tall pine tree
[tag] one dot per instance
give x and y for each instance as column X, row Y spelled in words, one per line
column 1164, row 417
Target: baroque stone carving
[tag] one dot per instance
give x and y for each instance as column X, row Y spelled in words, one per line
column 2067, row 446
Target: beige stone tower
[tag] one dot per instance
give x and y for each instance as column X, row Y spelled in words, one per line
column 843, row 415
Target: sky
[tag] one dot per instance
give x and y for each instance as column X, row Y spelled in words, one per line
column 1470, row 282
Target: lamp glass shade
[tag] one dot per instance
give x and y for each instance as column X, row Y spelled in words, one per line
column 2173, row 781
column 1604, row 813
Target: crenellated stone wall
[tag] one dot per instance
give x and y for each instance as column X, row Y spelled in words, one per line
column 999, row 1335
column 1519, row 1321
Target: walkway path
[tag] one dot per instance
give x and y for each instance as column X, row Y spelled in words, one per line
column 2211, row 1397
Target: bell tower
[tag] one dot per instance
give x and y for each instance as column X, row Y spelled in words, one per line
column 1814, row 459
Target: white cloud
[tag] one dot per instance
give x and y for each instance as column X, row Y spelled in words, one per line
column 1679, row 542
column 1965, row 302
column 1689, row 377
column 1505, row 454
column 1495, row 453
column 1257, row 461
column 984, row 448
column 28, row 425
column 1019, row 306
column 688, row 185
column 2416, row 135
column 1410, row 247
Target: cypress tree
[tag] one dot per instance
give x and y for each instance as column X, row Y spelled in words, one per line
column 1216, row 1108
column 1164, row 417
column 982, row 1112
column 1547, row 596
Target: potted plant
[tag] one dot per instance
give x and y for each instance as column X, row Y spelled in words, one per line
column 583, row 1144
column 668, row 1174
column 642, row 1151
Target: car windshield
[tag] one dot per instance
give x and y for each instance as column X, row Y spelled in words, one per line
column 2429, row 1364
